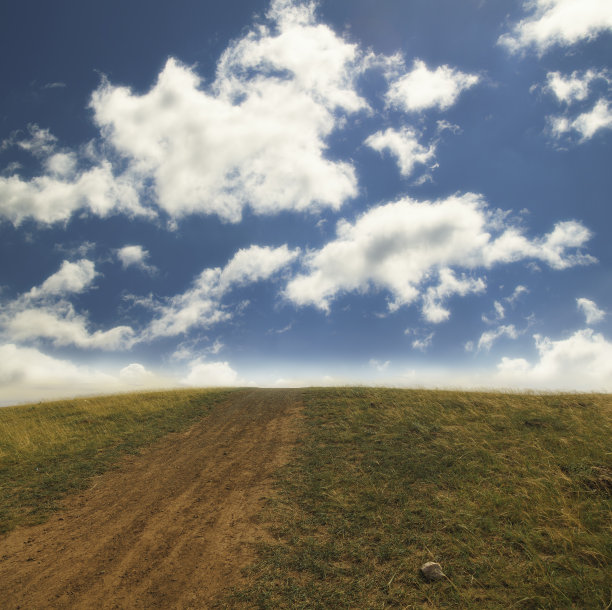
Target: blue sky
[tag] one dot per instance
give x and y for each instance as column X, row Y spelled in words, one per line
column 289, row 193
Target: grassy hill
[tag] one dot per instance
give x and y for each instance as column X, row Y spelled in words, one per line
column 51, row 449
column 511, row 494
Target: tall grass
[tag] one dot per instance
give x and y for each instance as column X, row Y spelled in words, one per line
column 510, row 493
column 51, row 449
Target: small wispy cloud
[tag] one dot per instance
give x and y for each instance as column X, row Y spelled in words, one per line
column 591, row 312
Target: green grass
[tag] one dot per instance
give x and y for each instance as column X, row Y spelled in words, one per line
column 49, row 450
column 510, row 493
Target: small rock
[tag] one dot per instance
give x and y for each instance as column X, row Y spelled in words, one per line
column 432, row 571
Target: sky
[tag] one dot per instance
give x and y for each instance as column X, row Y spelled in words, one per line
column 412, row 193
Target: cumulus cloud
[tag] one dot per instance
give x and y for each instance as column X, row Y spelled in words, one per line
column 135, row 256
column 135, row 374
column 45, row 313
column 54, row 197
column 413, row 249
column 559, row 22
column 404, row 146
column 423, row 88
column 201, row 305
column 61, row 325
column 587, row 124
column 583, row 362
column 211, row 374
column 72, row 278
column 27, row 374
column 574, row 87
column 591, row 312
column 257, row 135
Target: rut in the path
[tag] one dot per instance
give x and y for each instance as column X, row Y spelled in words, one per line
column 170, row 528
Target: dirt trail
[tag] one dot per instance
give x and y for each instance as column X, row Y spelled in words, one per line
column 170, row 528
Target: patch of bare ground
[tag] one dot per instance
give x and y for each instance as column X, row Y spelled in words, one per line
column 169, row 528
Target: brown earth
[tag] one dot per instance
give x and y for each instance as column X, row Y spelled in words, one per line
column 169, row 528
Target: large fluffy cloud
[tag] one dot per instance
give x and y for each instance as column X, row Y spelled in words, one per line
column 562, row 22
column 582, row 361
column 27, row 374
column 211, row 374
column 412, row 249
column 257, row 136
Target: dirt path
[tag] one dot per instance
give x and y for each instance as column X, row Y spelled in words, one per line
column 170, row 528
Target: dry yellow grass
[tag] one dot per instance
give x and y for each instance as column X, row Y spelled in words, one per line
column 50, row 449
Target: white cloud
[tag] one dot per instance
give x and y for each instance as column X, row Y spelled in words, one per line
column 581, row 362
column 586, row 124
column 201, row 304
column 413, row 248
column 591, row 312
column 136, row 375
column 40, row 143
column 575, row 87
column 490, row 336
column 135, row 256
column 28, row 374
column 55, row 197
column 72, row 278
column 424, row 343
column 449, row 285
column 211, row 374
column 517, row 292
column 404, row 146
column 559, row 22
column 378, row 365
column 62, row 164
column 44, row 313
column 257, row 136
column 422, row 88
column 61, row 325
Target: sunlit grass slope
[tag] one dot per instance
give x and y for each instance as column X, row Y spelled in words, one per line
column 510, row 493
column 50, row 449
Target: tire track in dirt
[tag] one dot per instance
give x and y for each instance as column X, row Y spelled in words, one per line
column 170, row 528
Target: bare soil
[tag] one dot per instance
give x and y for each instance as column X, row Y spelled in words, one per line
column 170, row 528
